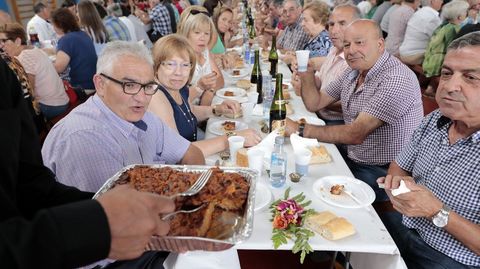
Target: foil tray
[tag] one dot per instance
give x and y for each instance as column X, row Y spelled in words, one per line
column 242, row 230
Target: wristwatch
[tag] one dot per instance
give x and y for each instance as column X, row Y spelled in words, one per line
column 441, row 218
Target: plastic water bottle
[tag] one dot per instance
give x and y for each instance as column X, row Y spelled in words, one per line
column 246, row 48
column 278, row 166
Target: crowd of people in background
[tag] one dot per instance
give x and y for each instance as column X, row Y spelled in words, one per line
column 132, row 81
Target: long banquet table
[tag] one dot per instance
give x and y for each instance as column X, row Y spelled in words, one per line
column 371, row 247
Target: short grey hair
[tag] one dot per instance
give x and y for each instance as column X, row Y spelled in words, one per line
column 114, row 50
column 452, row 10
column 357, row 14
column 277, row 3
column 297, row 2
column 469, row 40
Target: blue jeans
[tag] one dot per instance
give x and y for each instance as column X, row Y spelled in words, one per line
column 52, row 111
column 415, row 252
column 368, row 174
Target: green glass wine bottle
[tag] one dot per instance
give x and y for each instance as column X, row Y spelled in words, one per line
column 273, row 57
column 256, row 77
column 278, row 109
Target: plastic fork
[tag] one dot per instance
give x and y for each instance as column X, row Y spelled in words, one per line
column 169, row 215
column 197, row 186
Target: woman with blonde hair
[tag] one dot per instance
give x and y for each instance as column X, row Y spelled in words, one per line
column 200, row 31
column 174, row 64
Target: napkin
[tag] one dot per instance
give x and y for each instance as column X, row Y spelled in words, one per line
column 401, row 189
column 301, row 142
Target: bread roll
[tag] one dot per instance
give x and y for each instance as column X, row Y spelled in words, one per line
column 242, row 157
column 337, row 228
column 319, row 155
column 315, row 221
column 244, row 84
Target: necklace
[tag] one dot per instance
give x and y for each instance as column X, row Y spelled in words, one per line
column 190, row 118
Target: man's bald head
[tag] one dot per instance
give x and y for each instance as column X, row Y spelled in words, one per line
column 363, row 44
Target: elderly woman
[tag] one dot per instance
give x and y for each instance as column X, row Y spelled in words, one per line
column 199, row 29
column 75, row 49
column 174, row 63
column 454, row 13
column 47, row 86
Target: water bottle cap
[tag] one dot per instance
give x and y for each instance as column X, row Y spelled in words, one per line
column 279, row 140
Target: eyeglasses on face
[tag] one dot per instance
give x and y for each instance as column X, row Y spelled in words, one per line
column 132, row 87
column 195, row 12
column 172, row 66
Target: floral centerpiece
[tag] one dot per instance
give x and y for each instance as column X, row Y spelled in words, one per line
column 288, row 217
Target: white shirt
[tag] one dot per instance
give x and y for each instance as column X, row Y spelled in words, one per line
column 364, row 7
column 386, row 18
column 419, row 31
column 44, row 29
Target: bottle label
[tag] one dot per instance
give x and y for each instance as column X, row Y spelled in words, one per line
column 280, row 125
column 280, row 102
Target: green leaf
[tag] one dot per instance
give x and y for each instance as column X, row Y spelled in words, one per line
column 287, row 193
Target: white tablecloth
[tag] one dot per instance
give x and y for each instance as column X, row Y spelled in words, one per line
column 371, row 246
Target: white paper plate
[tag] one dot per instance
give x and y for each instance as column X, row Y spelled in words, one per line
column 310, row 120
column 263, row 196
column 360, row 189
column 217, row 127
column 238, row 93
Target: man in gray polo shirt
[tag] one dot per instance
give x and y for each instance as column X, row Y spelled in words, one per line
column 112, row 129
column 380, row 100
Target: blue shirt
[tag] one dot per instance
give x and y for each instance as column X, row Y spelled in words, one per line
column 184, row 118
column 83, row 58
column 92, row 143
column 116, row 29
column 451, row 173
column 320, row 45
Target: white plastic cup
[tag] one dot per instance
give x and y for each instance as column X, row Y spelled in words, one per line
column 234, row 144
column 255, row 160
column 247, row 109
column 252, row 97
column 302, row 59
column 302, row 161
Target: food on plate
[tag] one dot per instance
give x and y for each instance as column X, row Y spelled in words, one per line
column 228, row 125
column 330, row 226
column 235, row 115
column 225, row 196
column 239, row 63
column 337, row 189
column 242, row 157
column 244, row 84
column 319, row 155
column 228, row 93
column 236, row 72
column 286, row 95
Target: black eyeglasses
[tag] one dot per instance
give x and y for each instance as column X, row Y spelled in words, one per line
column 195, row 12
column 132, row 87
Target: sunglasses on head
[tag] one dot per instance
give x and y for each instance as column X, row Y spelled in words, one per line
column 195, row 12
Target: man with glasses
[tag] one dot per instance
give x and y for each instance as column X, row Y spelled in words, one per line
column 293, row 37
column 112, row 129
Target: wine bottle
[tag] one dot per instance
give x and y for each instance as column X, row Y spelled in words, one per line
column 256, row 77
column 278, row 109
column 273, row 57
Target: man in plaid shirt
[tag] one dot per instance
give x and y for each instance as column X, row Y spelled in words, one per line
column 380, row 100
column 159, row 17
column 293, row 37
column 441, row 213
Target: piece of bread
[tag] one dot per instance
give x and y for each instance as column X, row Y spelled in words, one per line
column 242, row 157
column 337, row 189
column 318, row 219
column 239, row 64
column 236, row 72
column 319, row 155
column 244, row 84
column 337, row 228
column 237, row 115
